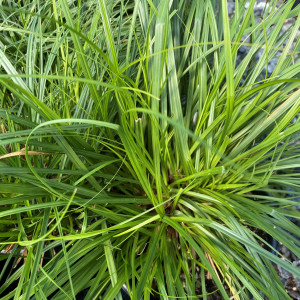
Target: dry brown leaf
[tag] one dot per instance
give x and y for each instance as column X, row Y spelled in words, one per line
column 208, row 276
column 3, row 129
column 22, row 153
column 7, row 249
column 23, row 255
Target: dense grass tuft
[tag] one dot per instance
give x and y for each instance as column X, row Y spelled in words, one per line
column 136, row 150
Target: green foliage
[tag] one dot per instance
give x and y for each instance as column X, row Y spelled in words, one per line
column 135, row 150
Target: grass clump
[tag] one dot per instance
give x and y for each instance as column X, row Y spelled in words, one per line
column 135, row 150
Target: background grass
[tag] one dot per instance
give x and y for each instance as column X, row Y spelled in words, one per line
column 135, row 150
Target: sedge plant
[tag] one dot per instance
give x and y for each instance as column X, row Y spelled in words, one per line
column 137, row 152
